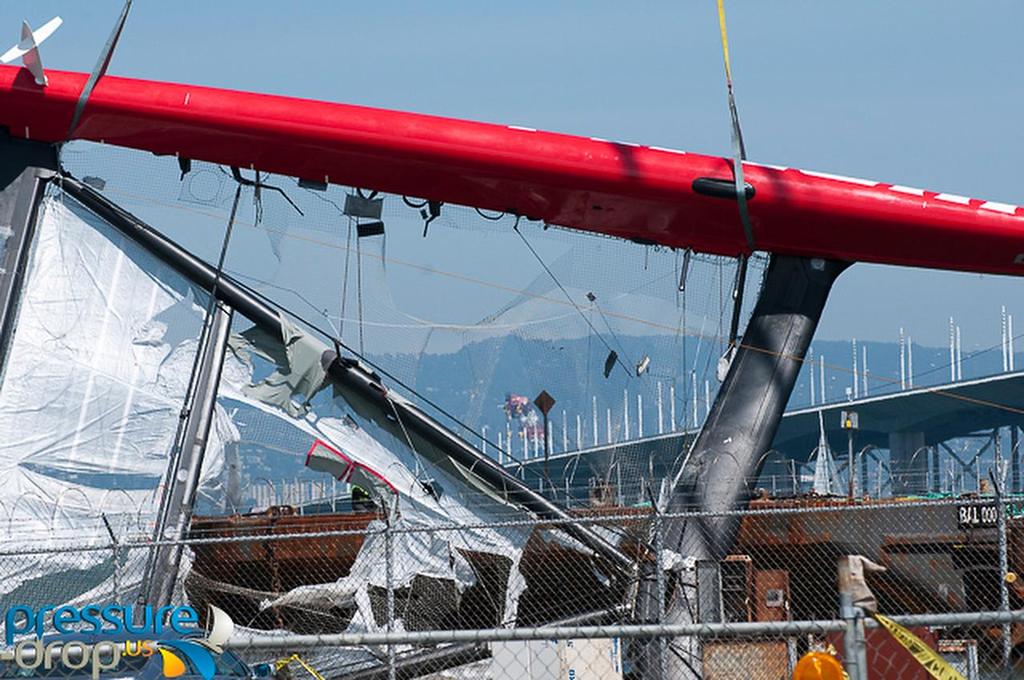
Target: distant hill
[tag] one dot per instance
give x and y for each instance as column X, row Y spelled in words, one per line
column 472, row 383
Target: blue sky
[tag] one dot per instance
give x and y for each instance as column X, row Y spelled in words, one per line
column 920, row 93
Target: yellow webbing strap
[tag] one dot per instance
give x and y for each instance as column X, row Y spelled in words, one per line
column 725, row 40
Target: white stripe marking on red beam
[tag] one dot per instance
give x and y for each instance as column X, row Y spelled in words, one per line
column 1000, row 207
column 667, row 150
column 913, row 191
column 841, row 178
column 780, row 168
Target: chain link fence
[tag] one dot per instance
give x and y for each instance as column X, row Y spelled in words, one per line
column 360, row 594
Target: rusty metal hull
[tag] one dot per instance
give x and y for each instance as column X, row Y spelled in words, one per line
column 237, row 576
column 933, row 565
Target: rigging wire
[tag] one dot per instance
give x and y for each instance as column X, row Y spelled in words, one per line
column 319, row 195
column 372, row 364
column 207, row 319
column 680, row 330
column 359, row 286
column 408, row 439
column 420, row 325
column 191, row 392
column 568, row 297
column 258, row 186
column 344, row 280
column 611, row 331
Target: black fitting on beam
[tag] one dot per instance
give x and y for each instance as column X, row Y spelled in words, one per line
column 721, row 188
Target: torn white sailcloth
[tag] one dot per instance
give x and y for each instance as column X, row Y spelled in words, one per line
column 435, row 521
column 93, row 384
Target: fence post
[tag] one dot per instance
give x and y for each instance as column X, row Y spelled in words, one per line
column 854, row 643
column 1004, row 567
column 659, row 545
column 853, row 638
column 389, row 571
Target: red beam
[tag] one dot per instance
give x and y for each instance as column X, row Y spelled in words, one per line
column 613, row 188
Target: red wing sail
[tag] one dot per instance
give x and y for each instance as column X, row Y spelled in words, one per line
column 625, row 190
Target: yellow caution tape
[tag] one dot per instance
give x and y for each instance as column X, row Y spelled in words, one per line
column 281, row 663
column 936, row 666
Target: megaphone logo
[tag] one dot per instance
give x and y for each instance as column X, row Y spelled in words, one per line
column 199, row 653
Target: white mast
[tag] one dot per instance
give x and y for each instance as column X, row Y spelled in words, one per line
column 864, row 366
column 910, row 362
column 693, row 392
column 903, row 361
column 1009, row 339
column 661, row 426
column 952, row 351
column 672, row 406
column 810, row 373
column 1003, row 336
column 639, row 415
column 821, row 365
column 856, row 373
column 959, row 356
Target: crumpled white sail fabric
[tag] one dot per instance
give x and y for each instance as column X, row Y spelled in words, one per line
column 420, row 545
column 92, row 388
